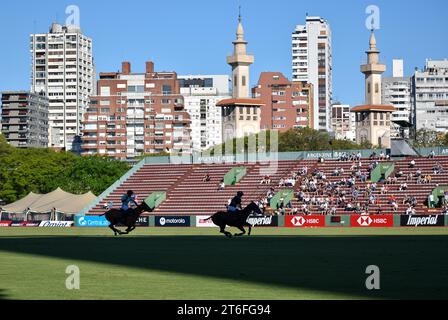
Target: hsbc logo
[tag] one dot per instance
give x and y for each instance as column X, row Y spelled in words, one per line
column 369, row 221
column 305, row 221
column 365, row 221
column 298, row 221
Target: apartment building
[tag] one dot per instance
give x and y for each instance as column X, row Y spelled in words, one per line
column 25, row 119
column 397, row 91
column 343, row 122
column 63, row 68
column 286, row 104
column 312, row 62
column 201, row 94
column 135, row 114
column 430, row 90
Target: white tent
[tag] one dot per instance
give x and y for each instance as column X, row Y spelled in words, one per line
column 57, row 201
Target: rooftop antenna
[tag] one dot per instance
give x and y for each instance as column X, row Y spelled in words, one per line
column 239, row 13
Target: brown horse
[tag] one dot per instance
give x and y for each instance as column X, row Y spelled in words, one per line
column 237, row 219
column 117, row 216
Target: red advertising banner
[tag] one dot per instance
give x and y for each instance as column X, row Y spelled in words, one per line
column 5, row 223
column 386, row 220
column 304, row 221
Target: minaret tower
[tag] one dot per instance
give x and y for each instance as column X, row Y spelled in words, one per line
column 373, row 71
column 240, row 62
column 241, row 115
column 373, row 120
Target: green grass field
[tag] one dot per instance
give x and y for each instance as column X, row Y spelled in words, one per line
column 199, row 263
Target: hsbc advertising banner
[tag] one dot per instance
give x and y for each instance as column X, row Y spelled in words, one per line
column 203, row 223
column 381, row 221
column 305, row 221
column 422, row 221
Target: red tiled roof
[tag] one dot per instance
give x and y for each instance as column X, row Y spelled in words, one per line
column 240, row 101
column 372, row 107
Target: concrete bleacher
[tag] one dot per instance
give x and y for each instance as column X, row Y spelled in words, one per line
column 187, row 194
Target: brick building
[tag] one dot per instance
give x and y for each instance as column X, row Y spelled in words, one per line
column 135, row 114
column 286, row 104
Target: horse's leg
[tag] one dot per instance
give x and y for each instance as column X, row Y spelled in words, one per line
column 242, row 233
column 250, row 229
column 226, row 233
column 129, row 229
column 115, row 230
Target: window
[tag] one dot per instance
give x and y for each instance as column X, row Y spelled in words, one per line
column 105, row 91
column 166, row 89
column 244, row 81
column 377, row 88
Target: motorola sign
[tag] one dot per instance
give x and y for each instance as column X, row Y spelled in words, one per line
column 172, row 221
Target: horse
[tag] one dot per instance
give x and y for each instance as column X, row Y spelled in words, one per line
column 116, row 216
column 235, row 219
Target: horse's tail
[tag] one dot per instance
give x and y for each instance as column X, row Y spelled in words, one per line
column 208, row 218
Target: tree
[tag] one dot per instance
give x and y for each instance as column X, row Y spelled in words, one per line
column 425, row 138
column 301, row 139
column 44, row 170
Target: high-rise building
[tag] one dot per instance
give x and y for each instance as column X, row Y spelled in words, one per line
column 430, row 90
column 25, row 119
column 312, row 63
column 135, row 114
column 397, row 91
column 201, row 94
column 343, row 122
column 286, row 104
column 373, row 120
column 241, row 114
column 63, row 68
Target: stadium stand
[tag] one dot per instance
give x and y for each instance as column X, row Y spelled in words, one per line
column 188, row 194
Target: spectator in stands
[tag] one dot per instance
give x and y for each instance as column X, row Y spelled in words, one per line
column 221, row 185
column 399, row 173
column 394, row 206
column 372, row 156
column 412, row 164
column 437, row 168
column 403, row 186
column 431, row 155
column 445, row 210
column 427, row 179
column 410, row 211
column 382, row 156
column 206, row 178
column 410, row 176
column 281, row 183
column 379, row 210
column 349, row 207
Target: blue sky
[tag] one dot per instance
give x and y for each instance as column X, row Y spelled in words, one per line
column 194, row 37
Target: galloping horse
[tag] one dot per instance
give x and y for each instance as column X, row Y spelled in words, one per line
column 237, row 219
column 116, row 216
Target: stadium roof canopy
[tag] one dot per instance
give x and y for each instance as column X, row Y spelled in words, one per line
column 57, row 200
